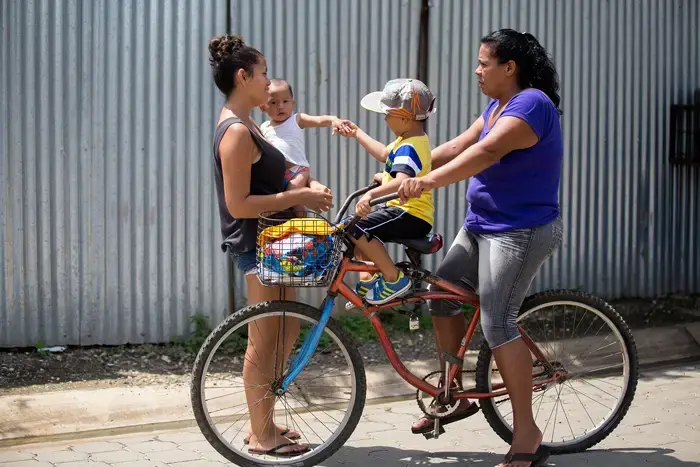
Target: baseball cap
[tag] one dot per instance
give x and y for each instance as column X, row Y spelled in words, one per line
column 402, row 97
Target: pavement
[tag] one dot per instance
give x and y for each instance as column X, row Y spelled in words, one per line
column 120, row 410
column 661, row 429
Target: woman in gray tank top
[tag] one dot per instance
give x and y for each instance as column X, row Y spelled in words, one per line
column 249, row 176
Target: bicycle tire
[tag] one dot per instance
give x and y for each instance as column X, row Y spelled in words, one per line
column 483, row 370
column 258, row 310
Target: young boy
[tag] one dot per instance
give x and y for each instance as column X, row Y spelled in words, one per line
column 284, row 131
column 407, row 104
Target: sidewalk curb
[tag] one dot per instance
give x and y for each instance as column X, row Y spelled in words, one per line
column 87, row 413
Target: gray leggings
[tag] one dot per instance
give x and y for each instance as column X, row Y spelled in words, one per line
column 501, row 267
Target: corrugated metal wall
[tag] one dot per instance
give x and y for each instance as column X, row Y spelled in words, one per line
column 632, row 221
column 333, row 53
column 109, row 230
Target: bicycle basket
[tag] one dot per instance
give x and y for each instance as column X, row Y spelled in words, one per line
column 297, row 252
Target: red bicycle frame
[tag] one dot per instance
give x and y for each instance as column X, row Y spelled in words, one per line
column 453, row 292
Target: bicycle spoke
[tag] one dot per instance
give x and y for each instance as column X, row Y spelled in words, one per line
column 603, row 368
column 286, row 404
column 316, row 405
column 567, row 418
column 589, row 397
column 582, row 404
column 312, row 414
column 591, row 384
column 225, row 395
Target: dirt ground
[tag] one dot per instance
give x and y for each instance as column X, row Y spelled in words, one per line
column 27, row 371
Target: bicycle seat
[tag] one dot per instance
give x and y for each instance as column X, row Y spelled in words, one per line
column 426, row 245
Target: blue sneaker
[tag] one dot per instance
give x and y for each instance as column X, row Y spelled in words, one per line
column 384, row 291
column 362, row 288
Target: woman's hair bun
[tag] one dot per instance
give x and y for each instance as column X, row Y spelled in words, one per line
column 223, row 46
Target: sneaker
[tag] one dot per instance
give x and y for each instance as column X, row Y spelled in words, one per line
column 362, row 289
column 384, row 291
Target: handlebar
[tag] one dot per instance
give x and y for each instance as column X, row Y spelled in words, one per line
column 360, row 192
column 352, row 196
column 384, row 199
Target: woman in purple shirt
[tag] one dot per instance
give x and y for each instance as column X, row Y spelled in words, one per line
column 512, row 156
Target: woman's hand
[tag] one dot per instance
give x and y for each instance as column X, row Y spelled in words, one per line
column 414, row 187
column 362, row 208
column 319, row 200
column 318, row 186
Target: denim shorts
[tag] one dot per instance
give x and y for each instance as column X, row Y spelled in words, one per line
column 501, row 268
column 246, row 262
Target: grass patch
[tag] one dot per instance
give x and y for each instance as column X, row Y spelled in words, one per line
column 357, row 326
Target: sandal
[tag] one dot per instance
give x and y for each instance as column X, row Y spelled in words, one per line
column 537, row 459
column 276, row 451
column 455, row 417
column 283, row 433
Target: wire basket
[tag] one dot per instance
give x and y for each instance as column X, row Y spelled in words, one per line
column 297, row 251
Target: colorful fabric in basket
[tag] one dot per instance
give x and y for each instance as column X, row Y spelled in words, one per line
column 297, row 255
column 309, row 226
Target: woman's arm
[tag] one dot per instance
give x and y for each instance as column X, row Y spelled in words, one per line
column 316, row 121
column 444, row 153
column 508, row 134
column 237, row 151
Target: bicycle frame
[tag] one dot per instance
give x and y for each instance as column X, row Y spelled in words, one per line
column 451, row 292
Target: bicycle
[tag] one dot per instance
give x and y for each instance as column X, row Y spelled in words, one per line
column 554, row 369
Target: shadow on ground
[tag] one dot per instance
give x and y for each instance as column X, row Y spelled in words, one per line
column 394, row 457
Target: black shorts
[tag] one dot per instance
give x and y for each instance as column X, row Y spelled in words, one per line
column 389, row 223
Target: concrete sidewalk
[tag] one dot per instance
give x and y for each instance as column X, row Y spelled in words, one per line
column 661, row 429
column 96, row 412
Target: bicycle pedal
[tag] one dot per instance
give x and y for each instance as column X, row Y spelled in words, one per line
column 431, row 434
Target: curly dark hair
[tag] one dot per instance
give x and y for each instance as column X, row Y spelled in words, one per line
column 535, row 66
column 228, row 54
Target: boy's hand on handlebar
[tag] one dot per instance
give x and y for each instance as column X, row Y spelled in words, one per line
column 378, row 177
column 362, row 208
column 346, row 128
column 413, row 188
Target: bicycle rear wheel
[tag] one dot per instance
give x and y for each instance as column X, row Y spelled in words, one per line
column 585, row 336
column 323, row 405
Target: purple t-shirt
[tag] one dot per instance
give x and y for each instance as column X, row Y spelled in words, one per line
column 522, row 189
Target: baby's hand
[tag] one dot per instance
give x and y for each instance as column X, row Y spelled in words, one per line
column 345, row 128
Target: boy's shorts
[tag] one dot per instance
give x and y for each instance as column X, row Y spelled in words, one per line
column 389, row 223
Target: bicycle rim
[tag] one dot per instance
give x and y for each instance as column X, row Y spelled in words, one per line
column 582, row 410
column 295, row 409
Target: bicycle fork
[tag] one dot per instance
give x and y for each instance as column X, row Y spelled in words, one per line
column 308, row 347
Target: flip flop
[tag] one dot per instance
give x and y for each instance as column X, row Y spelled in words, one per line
column 275, row 451
column 537, row 459
column 455, row 417
column 283, row 433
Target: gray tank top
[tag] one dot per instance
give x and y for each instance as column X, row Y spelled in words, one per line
column 266, row 178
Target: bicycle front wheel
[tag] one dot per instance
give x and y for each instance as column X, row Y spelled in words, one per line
column 321, row 408
column 584, row 336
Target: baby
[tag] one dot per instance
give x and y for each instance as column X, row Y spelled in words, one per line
column 284, row 131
